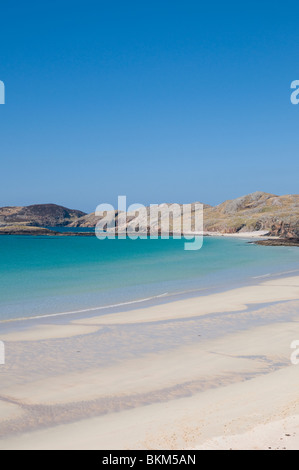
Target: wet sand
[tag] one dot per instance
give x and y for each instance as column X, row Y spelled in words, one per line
column 207, row 372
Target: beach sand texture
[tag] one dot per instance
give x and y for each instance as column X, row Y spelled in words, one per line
column 206, row 372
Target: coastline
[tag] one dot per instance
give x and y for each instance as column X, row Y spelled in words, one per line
column 40, row 231
column 257, row 237
column 166, row 382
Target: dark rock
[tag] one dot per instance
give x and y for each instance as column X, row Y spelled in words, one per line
column 278, row 242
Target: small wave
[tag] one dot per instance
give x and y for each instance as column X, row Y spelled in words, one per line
column 93, row 309
column 276, row 274
column 103, row 307
column 260, row 277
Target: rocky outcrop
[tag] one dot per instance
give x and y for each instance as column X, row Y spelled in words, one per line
column 40, row 231
column 25, row 230
column 278, row 242
column 279, row 215
column 42, row 215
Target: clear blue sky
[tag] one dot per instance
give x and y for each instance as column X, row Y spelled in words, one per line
column 163, row 101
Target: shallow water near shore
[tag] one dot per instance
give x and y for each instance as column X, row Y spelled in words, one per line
column 42, row 276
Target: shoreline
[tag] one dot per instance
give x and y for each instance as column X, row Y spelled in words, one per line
column 259, row 238
column 155, row 301
column 41, row 231
column 163, row 373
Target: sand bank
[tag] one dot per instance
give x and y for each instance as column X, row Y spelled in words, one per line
column 231, row 301
column 239, row 386
column 45, row 332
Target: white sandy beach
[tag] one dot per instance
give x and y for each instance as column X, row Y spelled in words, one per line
column 149, row 228
column 255, row 234
column 237, row 389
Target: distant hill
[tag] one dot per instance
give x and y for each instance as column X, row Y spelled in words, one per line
column 41, row 215
column 279, row 215
column 87, row 221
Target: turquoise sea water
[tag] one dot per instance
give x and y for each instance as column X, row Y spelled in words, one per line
column 53, row 275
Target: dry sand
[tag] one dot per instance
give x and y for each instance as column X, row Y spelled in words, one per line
column 278, row 435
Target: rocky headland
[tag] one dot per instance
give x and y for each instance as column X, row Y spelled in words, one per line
column 259, row 212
